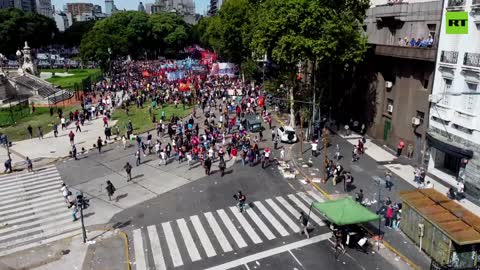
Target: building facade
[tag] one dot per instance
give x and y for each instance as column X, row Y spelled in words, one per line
column 402, row 74
column 183, row 8
column 79, row 8
column 61, row 20
column 25, row 5
column 110, row 7
column 44, row 7
column 453, row 138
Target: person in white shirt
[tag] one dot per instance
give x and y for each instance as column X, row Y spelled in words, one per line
column 63, row 122
column 163, row 158
column 314, row 148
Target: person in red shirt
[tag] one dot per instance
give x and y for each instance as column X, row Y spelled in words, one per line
column 71, row 135
column 400, row 147
column 234, row 154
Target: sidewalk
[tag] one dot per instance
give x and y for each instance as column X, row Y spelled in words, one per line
column 104, row 250
column 367, row 172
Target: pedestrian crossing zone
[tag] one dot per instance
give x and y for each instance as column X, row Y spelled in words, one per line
column 33, row 211
column 186, row 242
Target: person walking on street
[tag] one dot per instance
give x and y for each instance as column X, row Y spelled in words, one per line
column 28, row 161
column 99, row 144
column 30, row 131
column 207, row 165
column 337, row 152
column 388, row 180
column 304, row 223
column 55, row 129
column 77, row 124
column 71, row 136
column 40, row 133
column 8, row 165
column 400, row 147
column 63, row 123
column 124, row 142
column 128, row 170
column 314, row 148
column 137, row 157
column 110, row 190
column 74, row 152
column 273, row 134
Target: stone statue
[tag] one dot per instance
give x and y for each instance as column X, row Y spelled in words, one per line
column 26, row 63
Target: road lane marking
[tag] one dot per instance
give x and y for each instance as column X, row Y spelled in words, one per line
column 172, row 244
column 281, row 230
column 296, row 259
column 187, row 238
column 283, row 215
column 315, row 196
column 156, row 248
column 260, row 223
column 207, row 245
column 246, row 226
column 306, row 209
column 231, row 228
column 139, row 250
column 218, row 232
column 271, row 252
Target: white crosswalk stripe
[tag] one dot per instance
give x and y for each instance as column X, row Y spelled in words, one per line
column 32, row 210
column 257, row 218
column 246, row 226
column 231, row 229
column 156, row 248
column 260, row 224
column 218, row 232
column 314, row 195
column 140, row 262
column 271, row 218
column 188, row 239
column 207, row 245
column 172, row 245
column 284, row 216
column 306, row 209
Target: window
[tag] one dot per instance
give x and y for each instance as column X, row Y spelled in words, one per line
column 447, row 85
column 471, row 98
column 389, row 106
column 462, row 129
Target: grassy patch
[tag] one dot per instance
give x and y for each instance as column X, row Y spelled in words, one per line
column 41, row 117
column 70, row 81
column 141, row 119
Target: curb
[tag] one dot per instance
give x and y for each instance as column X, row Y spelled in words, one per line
column 324, row 193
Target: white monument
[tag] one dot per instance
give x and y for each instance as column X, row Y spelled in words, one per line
column 26, row 63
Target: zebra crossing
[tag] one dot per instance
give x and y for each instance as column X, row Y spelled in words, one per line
column 185, row 241
column 33, row 211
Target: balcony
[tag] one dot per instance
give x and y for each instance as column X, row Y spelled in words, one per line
column 472, row 60
column 449, row 57
column 456, row 5
column 464, row 120
column 397, row 12
column 424, row 54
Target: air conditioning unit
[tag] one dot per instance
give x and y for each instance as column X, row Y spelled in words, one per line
column 415, row 121
column 388, row 84
column 390, row 108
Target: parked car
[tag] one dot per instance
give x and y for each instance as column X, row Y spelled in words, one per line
column 287, row 134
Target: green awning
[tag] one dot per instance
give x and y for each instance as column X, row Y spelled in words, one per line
column 345, row 212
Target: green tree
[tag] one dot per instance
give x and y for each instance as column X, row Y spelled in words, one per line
column 325, row 32
column 73, row 35
column 170, row 33
column 16, row 27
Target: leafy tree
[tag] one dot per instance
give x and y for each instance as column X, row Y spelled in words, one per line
column 169, row 32
column 16, row 27
column 74, row 34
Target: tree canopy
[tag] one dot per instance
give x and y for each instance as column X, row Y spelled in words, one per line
column 73, row 35
column 16, row 27
column 135, row 33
